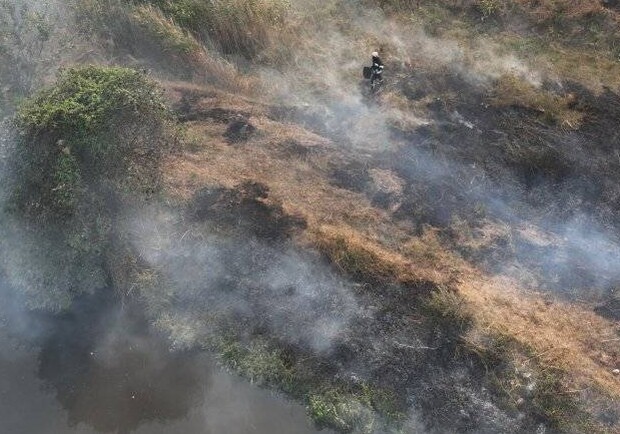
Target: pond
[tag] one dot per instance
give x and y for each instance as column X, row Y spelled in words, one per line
column 101, row 369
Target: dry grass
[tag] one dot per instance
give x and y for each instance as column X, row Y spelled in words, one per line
column 145, row 35
column 427, row 252
column 538, row 11
column 562, row 39
column 566, row 336
column 172, row 38
column 513, row 91
column 299, row 183
column 367, row 260
column 240, row 27
column 365, row 243
column 543, row 11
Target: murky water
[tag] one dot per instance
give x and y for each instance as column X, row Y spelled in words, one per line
column 100, row 370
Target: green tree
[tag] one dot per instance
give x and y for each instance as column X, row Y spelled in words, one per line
column 85, row 148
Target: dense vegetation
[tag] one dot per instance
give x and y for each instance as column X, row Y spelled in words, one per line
column 84, row 147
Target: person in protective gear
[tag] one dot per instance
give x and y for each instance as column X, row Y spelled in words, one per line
column 377, row 69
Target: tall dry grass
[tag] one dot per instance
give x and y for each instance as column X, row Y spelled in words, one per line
column 239, row 27
column 146, row 32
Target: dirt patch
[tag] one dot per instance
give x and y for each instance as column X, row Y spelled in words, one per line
column 240, row 130
column 245, row 210
column 610, row 309
column 294, row 149
column 353, row 176
column 198, row 104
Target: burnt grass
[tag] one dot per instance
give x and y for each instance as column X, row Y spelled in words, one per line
column 397, row 344
column 556, row 175
column 293, row 149
column 244, row 211
column 479, row 163
column 240, row 130
column 395, row 347
column 188, row 109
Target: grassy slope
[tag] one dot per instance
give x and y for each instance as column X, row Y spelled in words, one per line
column 342, row 223
column 570, row 349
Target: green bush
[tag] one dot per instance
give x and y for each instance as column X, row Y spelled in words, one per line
column 95, row 125
column 87, row 99
column 84, row 147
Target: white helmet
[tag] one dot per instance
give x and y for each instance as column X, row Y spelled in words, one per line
column 375, row 54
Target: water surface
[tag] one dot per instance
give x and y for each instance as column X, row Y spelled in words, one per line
column 100, row 370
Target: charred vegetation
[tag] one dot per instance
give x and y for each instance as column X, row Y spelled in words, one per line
column 425, row 261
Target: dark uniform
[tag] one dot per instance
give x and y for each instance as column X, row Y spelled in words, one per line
column 377, row 69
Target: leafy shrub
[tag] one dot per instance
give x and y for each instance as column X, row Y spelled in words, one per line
column 85, row 146
column 94, row 123
column 85, row 99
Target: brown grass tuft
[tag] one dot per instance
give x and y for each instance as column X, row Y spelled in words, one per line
column 513, row 91
column 367, row 260
column 562, row 335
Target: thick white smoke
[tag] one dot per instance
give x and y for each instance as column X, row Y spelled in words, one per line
column 298, row 299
